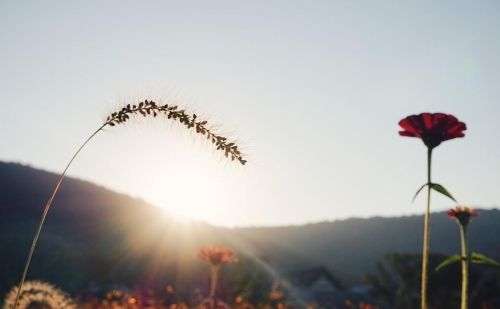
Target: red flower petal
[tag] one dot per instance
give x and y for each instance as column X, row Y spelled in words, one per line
column 216, row 255
column 462, row 214
column 432, row 128
column 406, row 133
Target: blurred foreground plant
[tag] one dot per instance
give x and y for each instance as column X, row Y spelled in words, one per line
column 432, row 129
column 145, row 108
column 37, row 294
column 215, row 256
column 351, row 305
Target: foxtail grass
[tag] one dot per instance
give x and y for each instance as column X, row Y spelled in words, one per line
column 147, row 109
column 39, row 293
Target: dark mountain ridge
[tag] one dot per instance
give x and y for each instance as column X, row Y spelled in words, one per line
column 93, row 235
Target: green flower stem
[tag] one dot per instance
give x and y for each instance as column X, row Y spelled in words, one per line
column 465, row 265
column 425, row 252
column 213, row 284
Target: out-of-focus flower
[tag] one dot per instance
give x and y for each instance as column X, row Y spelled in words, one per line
column 433, row 129
column 178, row 306
column 238, row 300
column 462, row 214
column 132, row 300
column 350, row 305
column 169, row 289
column 217, row 255
column 276, row 295
column 239, row 303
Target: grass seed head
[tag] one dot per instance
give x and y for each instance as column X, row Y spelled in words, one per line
column 149, row 108
column 38, row 294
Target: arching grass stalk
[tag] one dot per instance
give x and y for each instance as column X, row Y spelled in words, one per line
column 146, row 109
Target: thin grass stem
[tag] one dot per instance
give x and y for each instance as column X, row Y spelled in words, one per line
column 45, row 212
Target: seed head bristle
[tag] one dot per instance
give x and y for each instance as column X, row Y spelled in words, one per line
column 150, row 108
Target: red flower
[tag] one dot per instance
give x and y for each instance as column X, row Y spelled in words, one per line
column 216, row 255
column 462, row 214
column 432, row 128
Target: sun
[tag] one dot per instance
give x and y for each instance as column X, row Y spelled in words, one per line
column 190, row 189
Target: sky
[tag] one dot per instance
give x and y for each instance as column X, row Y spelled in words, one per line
column 312, row 91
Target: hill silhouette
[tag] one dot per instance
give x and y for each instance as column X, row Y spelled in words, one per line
column 95, row 236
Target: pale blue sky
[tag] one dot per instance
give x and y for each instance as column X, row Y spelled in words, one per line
column 313, row 90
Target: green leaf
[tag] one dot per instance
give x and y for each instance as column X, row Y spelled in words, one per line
column 439, row 188
column 452, row 259
column 418, row 191
column 483, row 259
